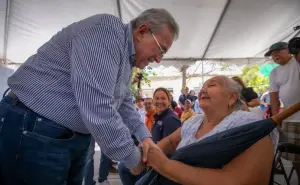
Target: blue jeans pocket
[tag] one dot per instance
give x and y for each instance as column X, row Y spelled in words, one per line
column 47, row 131
column 44, row 156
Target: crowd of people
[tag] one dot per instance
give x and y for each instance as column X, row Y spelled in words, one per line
column 75, row 91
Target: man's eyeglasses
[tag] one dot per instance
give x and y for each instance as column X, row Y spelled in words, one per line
column 161, row 52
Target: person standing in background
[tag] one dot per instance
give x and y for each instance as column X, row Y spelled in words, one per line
column 165, row 123
column 285, row 86
column 140, row 108
column 194, row 97
column 249, row 96
column 184, row 96
column 188, row 112
column 150, row 112
column 176, row 109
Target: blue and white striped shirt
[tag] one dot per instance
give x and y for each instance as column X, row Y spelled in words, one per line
column 80, row 79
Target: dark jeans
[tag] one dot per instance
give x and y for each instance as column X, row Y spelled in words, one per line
column 89, row 166
column 105, row 163
column 127, row 177
column 38, row 151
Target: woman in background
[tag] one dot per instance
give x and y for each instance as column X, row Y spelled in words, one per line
column 248, row 94
column 165, row 123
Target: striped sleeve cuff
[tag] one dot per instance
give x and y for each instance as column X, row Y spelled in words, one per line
column 142, row 132
column 133, row 159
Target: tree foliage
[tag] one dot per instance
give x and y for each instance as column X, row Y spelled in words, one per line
column 252, row 78
column 147, row 72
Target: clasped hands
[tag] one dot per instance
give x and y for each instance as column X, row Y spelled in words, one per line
column 152, row 156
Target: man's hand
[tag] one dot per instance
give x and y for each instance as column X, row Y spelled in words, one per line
column 156, row 158
column 138, row 169
column 145, row 145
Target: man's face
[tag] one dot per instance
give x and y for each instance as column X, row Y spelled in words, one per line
column 139, row 104
column 187, row 105
column 149, row 106
column 150, row 47
column 281, row 57
column 186, row 90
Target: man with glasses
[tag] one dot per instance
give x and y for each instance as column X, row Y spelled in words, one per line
column 75, row 86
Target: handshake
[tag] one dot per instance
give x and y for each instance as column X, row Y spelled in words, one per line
column 152, row 156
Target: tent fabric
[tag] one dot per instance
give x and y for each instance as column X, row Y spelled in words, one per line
column 209, row 29
column 4, row 74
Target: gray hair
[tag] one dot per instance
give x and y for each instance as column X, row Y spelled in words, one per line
column 234, row 87
column 156, row 19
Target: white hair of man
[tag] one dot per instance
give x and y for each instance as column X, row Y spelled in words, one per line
column 156, row 19
column 233, row 87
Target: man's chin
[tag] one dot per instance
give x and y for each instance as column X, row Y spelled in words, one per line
column 141, row 66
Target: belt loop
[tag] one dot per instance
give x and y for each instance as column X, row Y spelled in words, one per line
column 15, row 101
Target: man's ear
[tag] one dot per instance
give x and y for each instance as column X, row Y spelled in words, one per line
column 141, row 31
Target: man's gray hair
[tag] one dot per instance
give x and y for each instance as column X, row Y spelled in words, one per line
column 157, row 18
column 234, row 87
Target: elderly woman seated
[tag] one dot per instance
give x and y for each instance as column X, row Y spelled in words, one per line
column 221, row 104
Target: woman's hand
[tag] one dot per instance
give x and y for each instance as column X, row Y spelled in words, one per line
column 156, row 158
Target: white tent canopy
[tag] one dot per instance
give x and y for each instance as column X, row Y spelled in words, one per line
column 227, row 30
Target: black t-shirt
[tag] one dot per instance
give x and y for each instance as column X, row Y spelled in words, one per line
column 248, row 94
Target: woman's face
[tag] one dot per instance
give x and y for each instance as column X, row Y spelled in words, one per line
column 215, row 96
column 161, row 101
column 192, row 93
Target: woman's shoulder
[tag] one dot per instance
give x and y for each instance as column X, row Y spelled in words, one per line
column 244, row 117
column 192, row 121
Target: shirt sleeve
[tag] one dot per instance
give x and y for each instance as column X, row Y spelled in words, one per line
column 274, row 87
column 263, row 97
column 132, row 118
column 95, row 62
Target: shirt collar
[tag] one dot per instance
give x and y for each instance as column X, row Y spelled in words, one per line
column 130, row 45
column 151, row 113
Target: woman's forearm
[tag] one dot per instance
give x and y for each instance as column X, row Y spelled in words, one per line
column 167, row 146
column 185, row 174
column 254, row 103
column 247, row 168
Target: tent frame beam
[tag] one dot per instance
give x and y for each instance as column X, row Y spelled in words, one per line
column 216, row 28
column 221, row 59
column 6, row 29
column 189, row 59
column 119, row 9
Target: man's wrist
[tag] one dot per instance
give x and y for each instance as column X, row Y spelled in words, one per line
column 142, row 132
column 133, row 159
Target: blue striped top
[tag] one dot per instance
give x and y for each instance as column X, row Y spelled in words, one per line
column 81, row 79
